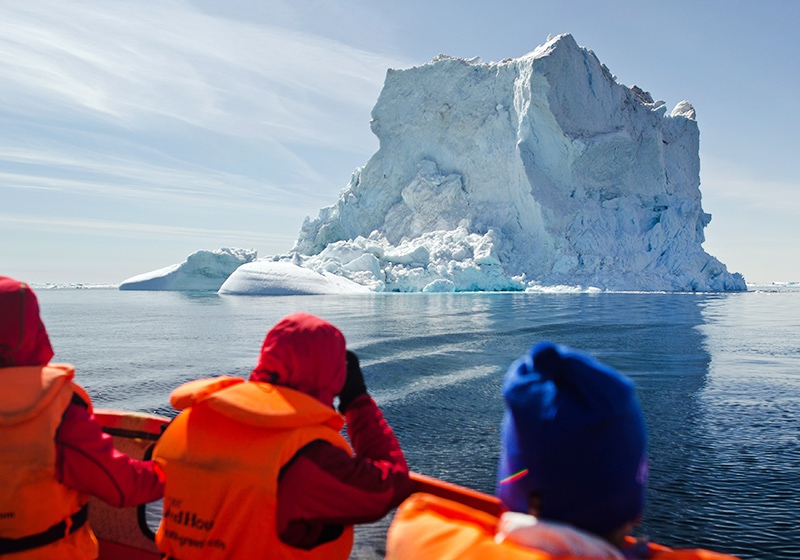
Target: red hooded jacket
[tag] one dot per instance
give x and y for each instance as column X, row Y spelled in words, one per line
column 323, row 485
column 86, row 460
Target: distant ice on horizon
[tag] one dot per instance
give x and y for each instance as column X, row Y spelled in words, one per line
column 533, row 174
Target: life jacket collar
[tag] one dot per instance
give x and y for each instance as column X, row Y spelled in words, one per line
column 29, row 390
column 256, row 403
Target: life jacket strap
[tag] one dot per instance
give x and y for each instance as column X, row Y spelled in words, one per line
column 49, row 536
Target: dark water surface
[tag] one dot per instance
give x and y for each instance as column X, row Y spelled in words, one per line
column 718, row 376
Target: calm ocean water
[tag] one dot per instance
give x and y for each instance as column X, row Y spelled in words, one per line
column 718, row 376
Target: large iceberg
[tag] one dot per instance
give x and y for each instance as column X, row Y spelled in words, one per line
column 201, row 271
column 518, row 175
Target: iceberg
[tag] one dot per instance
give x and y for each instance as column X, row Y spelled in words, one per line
column 529, row 173
column 540, row 173
column 201, row 271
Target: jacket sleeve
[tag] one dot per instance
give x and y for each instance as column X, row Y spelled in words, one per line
column 87, row 461
column 324, row 486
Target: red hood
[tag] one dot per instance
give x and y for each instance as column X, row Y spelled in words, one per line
column 23, row 338
column 306, row 353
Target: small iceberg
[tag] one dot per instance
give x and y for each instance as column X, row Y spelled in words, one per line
column 201, row 271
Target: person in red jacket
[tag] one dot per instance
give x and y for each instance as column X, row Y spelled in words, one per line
column 233, row 439
column 53, row 452
column 365, row 487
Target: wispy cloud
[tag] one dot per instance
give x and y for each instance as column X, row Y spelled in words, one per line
column 133, row 229
column 134, row 63
column 85, row 172
column 156, row 99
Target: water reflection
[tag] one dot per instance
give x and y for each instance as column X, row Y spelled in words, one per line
column 452, row 431
column 749, row 408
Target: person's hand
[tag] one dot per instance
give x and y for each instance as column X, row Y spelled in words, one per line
column 354, row 385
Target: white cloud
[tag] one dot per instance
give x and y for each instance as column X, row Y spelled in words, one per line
column 142, row 64
column 128, row 107
column 81, row 171
column 133, row 229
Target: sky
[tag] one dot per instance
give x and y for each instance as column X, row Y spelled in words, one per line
column 135, row 132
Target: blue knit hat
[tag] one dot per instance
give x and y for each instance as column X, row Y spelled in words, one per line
column 574, row 434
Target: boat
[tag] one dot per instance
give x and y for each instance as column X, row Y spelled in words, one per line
column 129, row 533
column 124, row 533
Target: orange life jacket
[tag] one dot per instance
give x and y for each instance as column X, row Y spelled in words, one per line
column 426, row 526
column 40, row 518
column 221, row 458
